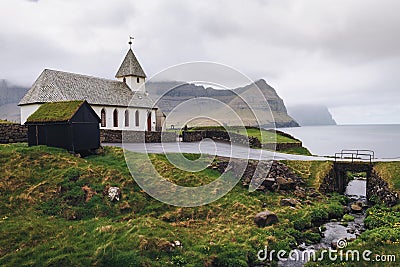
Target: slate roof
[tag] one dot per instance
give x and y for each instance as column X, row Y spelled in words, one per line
column 130, row 66
column 55, row 86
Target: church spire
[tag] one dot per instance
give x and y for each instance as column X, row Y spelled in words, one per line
column 131, row 72
column 130, row 67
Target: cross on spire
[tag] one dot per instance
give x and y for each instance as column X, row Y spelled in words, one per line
column 130, row 41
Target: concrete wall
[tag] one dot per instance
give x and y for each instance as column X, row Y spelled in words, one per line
column 13, row 133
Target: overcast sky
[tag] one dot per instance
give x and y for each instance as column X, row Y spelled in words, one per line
column 344, row 54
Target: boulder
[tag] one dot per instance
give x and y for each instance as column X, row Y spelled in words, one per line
column 289, row 202
column 356, row 208
column 114, row 193
column 300, row 192
column 285, row 184
column 265, row 218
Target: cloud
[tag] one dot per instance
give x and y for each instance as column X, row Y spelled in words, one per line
column 336, row 52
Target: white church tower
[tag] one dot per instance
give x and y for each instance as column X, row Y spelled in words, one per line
column 132, row 73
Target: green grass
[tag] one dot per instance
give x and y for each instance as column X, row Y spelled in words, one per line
column 390, row 171
column 263, row 135
column 6, row 122
column 47, row 219
column 382, row 237
column 297, row 151
column 313, row 172
column 268, row 137
column 55, row 111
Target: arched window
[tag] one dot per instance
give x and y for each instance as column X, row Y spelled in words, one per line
column 103, row 117
column 137, row 118
column 115, row 117
column 138, row 80
column 126, row 118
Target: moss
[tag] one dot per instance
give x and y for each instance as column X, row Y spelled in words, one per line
column 348, row 218
column 55, row 111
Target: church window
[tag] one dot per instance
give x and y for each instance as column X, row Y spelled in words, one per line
column 126, row 118
column 137, row 118
column 103, row 118
column 115, row 117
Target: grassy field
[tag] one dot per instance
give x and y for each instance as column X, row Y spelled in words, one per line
column 263, row 135
column 46, row 218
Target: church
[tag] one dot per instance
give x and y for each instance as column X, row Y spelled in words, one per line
column 121, row 104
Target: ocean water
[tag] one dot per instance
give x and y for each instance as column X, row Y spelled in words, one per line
column 384, row 140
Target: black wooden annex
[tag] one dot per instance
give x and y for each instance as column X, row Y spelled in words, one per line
column 72, row 125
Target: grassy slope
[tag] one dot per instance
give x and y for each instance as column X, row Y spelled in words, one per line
column 391, row 172
column 265, row 137
column 45, row 218
column 269, row 137
column 313, row 171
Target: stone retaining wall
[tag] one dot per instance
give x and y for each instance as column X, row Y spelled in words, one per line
column 115, row 136
column 196, row 136
column 281, row 146
column 13, row 133
column 377, row 188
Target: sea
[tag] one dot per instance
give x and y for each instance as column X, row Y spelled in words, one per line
column 384, row 140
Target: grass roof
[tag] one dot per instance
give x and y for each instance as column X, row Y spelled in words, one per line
column 55, row 111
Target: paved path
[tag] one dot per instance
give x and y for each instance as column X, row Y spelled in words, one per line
column 220, row 149
column 212, row 148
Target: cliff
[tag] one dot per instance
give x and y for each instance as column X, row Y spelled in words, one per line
column 311, row 115
column 170, row 94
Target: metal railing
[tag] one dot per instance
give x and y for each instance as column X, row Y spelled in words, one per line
column 355, row 155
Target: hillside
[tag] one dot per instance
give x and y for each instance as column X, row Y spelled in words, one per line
column 171, row 94
column 53, row 212
column 311, row 115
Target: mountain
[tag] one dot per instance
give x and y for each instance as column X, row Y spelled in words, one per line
column 10, row 95
column 248, row 102
column 210, row 102
column 311, row 115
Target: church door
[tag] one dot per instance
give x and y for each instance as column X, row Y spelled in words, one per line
column 149, row 122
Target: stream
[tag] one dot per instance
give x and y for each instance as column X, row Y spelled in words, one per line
column 335, row 231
